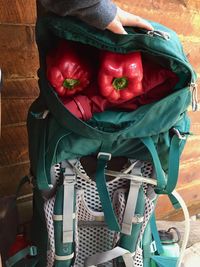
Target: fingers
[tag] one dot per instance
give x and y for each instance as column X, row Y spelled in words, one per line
column 116, row 26
column 124, row 18
column 128, row 19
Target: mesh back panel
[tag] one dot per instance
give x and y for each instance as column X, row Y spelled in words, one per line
column 92, row 236
column 93, row 239
column 91, row 195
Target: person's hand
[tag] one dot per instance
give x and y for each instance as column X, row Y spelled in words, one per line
column 124, row 18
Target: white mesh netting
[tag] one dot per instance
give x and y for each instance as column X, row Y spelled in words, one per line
column 138, row 258
column 92, row 236
column 91, row 195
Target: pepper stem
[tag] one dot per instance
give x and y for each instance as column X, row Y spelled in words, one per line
column 120, row 83
column 70, row 83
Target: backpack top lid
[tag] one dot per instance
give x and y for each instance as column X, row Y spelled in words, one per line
column 162, row 44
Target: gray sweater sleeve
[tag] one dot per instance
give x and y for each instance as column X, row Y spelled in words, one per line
column 98, row 13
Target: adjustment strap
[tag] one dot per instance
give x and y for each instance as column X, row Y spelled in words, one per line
column 161, row 181
column 129, row 214
column 100, row 258
column 104, row 196
column 174, row 201
column 155, row 234
column 68, row 203
column 165, row 261
column 30, row 250
column 173, row 165
column 130, row 207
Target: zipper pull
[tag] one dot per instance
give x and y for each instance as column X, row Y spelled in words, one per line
column 195, row 105
column 162, row 34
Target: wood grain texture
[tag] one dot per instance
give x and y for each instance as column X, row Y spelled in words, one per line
column 191, row 196
column 25, row 88
column 13, row 145
column 192, row 49
column 17, row 11
column 18, row 54
column 182, row 16
column 191, row 151
column 15, row 111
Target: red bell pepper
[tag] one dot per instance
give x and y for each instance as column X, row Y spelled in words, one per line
column 120, row 76
column 67, row 69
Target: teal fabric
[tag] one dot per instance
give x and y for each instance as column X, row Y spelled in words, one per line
column 146, row 243
column 61, row 249
column 62, row 136
column 161, row 182
column 155, row 234
column 129, row 242
column 174, row 158
column 162, row 261
column 67, row 148
column 105, row 199
column 174, row 201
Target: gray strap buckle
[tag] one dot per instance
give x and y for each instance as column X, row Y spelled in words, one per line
column 104, row 155
column 181, row 136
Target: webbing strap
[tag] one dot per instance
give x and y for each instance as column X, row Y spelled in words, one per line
column 155, row 234
column 148, row 142
column 173, row 165
column 174, row 201
column 42, row 179
column 104, row 196
column 32, row 251
column 68, row 204
column 130, row 208
column 100, row 258
column 165, row 261
column 128, row 260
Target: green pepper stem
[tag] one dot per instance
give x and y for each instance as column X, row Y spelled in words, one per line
column 70, row 83
column 120, row 83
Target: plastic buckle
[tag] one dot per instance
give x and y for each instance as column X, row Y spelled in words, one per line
column 195, row 104
column 33, row 251
column 180, row 136
column 153, row 247
column 104, row 154
column 137, row 218
column 45, row 113
column 69, row 178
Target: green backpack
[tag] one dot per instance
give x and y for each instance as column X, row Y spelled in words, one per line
column 81, row 215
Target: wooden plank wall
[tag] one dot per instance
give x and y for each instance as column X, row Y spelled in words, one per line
column 19, row 61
